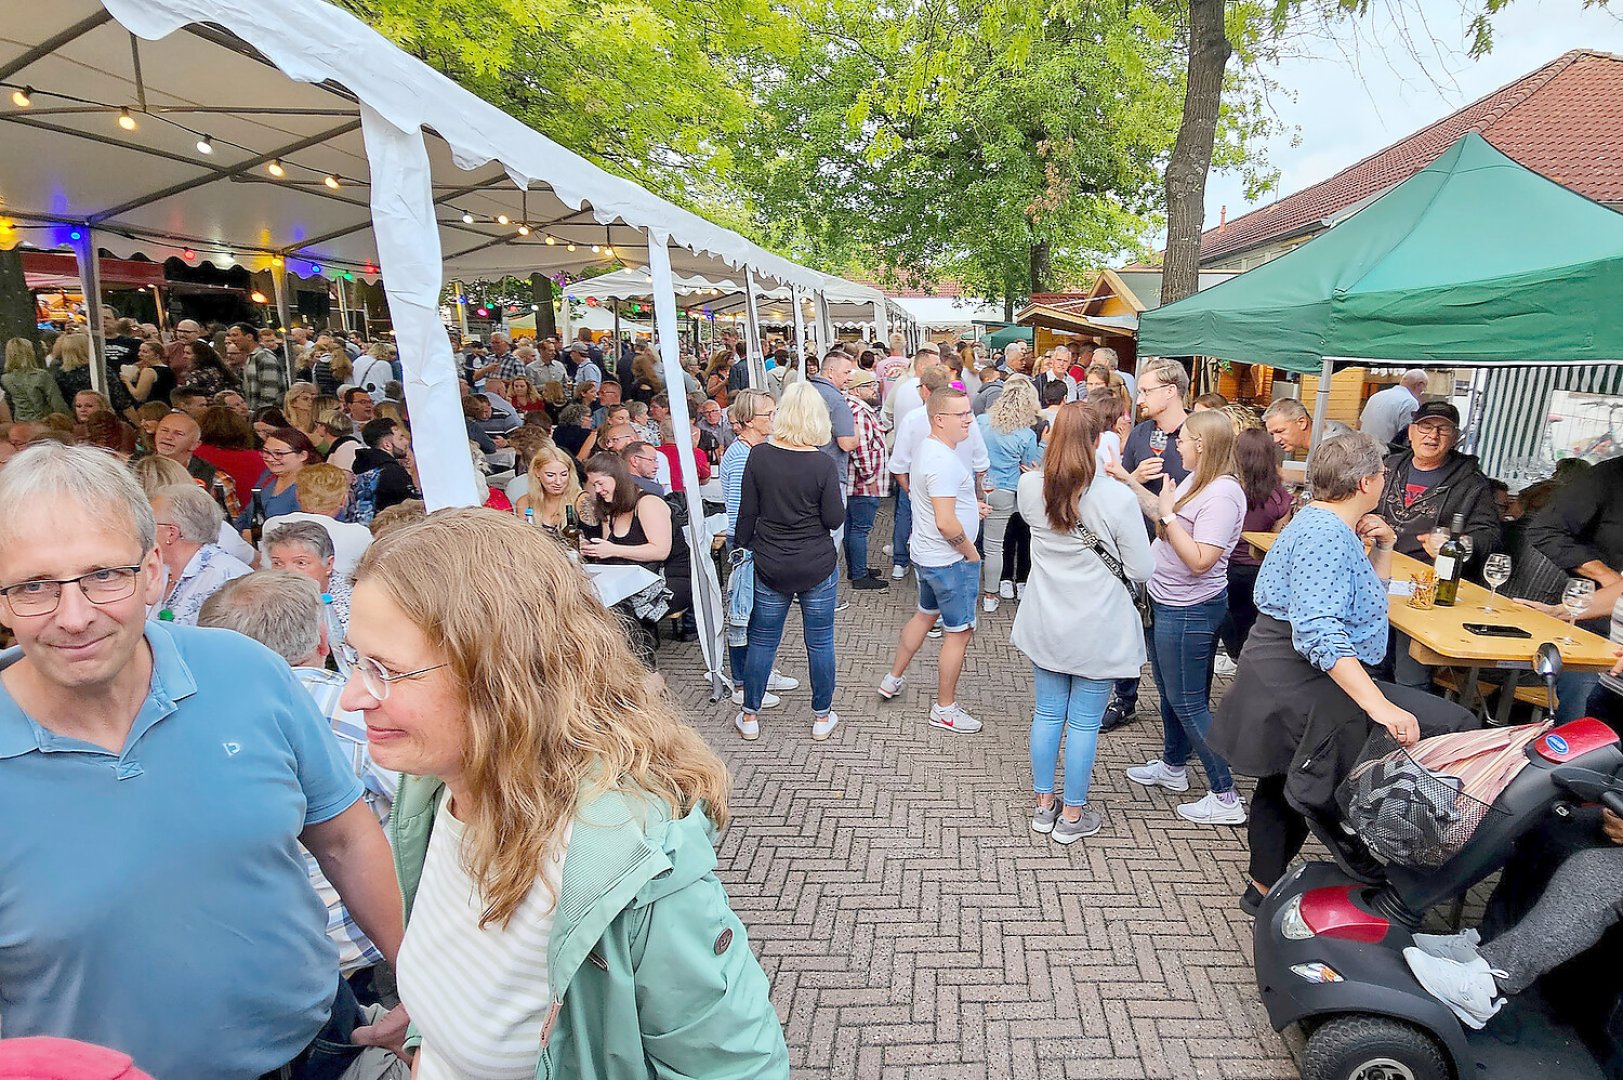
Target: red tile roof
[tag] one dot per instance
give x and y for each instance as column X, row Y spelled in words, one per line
column 1564, row 120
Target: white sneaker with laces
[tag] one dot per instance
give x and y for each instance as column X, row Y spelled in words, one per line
column 1460, row 948
column 781, row 682
column 1214, row 811
column 897, row 573
column 823, row 726
column 1020, row 591
column 989, row 604
column 1005, row 589
column 891, row 685
column 1468, row 989
column 1223, row 666
column 952, row 718
column 1158, row 773
column 749, row 730
column 768, row 700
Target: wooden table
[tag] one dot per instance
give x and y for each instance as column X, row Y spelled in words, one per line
column 1438, row 636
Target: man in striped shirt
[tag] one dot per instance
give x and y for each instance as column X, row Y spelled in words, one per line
column 283, row 611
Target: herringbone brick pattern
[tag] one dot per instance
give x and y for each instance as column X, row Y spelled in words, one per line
column 911, row 923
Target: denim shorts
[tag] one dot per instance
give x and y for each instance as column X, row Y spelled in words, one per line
column 950, row 591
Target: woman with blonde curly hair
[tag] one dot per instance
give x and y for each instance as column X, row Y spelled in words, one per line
column 1009, row 428
column 554, row 829
column 553, row 487
column 299, row 407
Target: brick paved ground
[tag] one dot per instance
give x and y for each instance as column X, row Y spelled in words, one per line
column 912, row 924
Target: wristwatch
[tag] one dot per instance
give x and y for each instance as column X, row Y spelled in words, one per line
column 1168, row 519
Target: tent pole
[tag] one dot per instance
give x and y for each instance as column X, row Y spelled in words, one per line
column 752, row 333
column 343, row 304
column 800, row 321
column 616, row 361
column 1321, row 406
column 706, row 588
column 881, row 323
column 825, row 325
column 283, row 314
column 84, row 250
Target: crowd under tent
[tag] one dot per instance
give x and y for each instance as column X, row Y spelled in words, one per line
column 290, row 137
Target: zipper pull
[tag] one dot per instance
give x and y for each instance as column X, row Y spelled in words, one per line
column 552, row 1017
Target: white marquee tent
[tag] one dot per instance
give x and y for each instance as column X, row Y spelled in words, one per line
column 289, row 136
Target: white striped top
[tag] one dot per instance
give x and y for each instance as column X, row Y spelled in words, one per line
column 479, row 997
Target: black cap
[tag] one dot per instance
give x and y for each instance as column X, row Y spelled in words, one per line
column 1436, row 408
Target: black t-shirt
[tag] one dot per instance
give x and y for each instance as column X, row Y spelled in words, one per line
column 394, row 482
column 570, row 438
column 789, row 506
column 1136, row 450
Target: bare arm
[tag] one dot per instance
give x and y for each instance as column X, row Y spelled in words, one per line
column 1355, row 682
column 354, row 855
column 952, row 530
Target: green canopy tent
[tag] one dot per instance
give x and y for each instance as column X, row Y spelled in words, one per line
column 1474, row 260
column 997, row 339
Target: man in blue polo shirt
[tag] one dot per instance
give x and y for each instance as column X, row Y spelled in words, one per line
column 155, row 784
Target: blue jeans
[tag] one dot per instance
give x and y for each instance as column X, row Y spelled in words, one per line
column 901, row 528
column 766, row 632
column 1075, row 705
column 1182, row 645
column 859, row 514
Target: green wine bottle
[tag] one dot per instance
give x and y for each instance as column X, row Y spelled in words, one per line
column 1450, row 563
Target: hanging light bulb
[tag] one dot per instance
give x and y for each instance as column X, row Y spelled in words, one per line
column 594, row 249
column 23, row 98
column 188, row 254
column 571, row 247
column 524, row 230
column 205, row 145
column 551, row 240
column 125, row 120
column 276, row 260
column 467, row 219
column 502, row 219
column 608, row 251
column 331, row 181
column 276, row 169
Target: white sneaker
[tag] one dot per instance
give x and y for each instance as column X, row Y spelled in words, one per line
column 823, row 726
column 1223, row 666
column 781, row 682
column 989, row 604
column 952, row 718
column 1468, row 989
column 749, row 730
column 1213, row 811
column 1005, row 589
column 898, row 572
column 768, row 700
column 1460, row 948
column 891, row 685
column 1020, row 591
column 1158, row 773
column 935, row 630
column 890, row 549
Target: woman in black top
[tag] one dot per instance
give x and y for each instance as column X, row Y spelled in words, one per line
column 153, row 380
column 790, row 505
column 623, row 524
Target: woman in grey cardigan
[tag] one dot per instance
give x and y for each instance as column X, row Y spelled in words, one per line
column 1078, row 624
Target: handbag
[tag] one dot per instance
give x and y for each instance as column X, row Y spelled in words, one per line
column 1135, row 592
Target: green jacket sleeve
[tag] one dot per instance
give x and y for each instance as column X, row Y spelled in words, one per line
column 703, row 1001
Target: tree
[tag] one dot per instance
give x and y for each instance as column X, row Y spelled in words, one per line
column 1209, row 51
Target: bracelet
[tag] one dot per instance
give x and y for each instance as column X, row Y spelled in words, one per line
column 1386, row 547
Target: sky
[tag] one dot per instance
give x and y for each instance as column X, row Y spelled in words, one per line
column 1365, row 84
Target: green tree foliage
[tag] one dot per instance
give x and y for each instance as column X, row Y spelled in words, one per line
column 1010, row 146
column 652, row 89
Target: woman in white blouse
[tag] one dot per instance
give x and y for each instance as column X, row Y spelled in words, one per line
column 1087, row 540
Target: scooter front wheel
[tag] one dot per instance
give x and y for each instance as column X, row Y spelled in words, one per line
column 1366, row 1047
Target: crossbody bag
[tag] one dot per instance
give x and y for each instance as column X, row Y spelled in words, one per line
column 1135, row 592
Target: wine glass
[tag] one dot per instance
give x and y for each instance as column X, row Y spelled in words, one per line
column 1496, row 571
column 1439, row 536
column 1465, row 546
column 1158, row 442
column 1576, row 598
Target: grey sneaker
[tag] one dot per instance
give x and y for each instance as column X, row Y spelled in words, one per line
column 1042, row 818
column 1069, row 832
column 1468, row 989
column 1460, row 948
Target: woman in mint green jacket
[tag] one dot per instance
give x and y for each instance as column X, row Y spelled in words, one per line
column 553, row 837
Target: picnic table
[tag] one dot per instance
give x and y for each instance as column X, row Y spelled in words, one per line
column 1438, row 637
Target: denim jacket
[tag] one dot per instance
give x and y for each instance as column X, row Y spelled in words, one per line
column 650, row 970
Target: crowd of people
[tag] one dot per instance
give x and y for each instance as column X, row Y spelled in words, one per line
column 270, row 488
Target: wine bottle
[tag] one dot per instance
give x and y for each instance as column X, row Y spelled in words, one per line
column 256, row 520
column 1450, row 563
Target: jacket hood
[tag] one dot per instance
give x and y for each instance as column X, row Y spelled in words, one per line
column 1453, row 466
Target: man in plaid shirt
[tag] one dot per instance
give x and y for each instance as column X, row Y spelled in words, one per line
column 509, row 364
column 264, row 378
column 867, row 481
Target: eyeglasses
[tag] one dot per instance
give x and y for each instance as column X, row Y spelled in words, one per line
column 1433, row 431
column 108, row 585
column 277, row 455
column 1144, row 390
column 374, row 676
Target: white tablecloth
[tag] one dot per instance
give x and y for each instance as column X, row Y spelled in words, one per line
column 615, row 583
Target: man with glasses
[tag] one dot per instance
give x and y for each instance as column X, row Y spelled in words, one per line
column 155, row 783
column 643, row 461
column 188, row 542
column 178, row 353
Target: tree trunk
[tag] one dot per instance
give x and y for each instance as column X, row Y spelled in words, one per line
column 1209, row 53
column 17, row 315
column 546, row 323
column 1008, row 304
column 1040, row 266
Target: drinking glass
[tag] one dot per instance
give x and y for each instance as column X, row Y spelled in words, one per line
column 1465, row 546
column 1158, row 442
column 1576, row 598
column 1440, row 535
column 1496, row 571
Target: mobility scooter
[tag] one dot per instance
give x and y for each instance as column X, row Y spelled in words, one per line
column 1329, row 946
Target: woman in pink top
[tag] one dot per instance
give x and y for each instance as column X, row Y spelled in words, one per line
column 1198, row 523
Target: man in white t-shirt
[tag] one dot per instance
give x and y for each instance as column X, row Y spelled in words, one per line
column 909, row 436
column 944, row 557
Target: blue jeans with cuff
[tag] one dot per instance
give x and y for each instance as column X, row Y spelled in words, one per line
column 952, row 591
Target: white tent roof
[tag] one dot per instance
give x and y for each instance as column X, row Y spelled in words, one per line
column 949, row 313
column 849, row 304
column 208, row 67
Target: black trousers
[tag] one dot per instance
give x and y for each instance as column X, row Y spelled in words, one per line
column 1276, row 830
